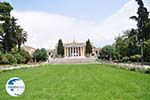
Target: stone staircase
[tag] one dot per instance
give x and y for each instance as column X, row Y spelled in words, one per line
column 73, row 61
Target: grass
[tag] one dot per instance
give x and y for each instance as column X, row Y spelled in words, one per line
column 78, row 82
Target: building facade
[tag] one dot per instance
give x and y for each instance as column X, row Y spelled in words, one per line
column 74, row 50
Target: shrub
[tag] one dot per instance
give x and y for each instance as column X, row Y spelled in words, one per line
column 4, row 60
column 147, row 71
column 135, row 58
column 15, row 57
column 125, row 59
column 40, row 55
column 1, row 55
column 25, row 56
column 140, row 69
column 20, row 59
column 8, row 58
column 132, row 69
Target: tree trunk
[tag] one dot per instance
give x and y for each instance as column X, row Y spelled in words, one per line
column 19, row 46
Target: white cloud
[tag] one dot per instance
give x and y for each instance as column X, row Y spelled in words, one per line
column 44, row 29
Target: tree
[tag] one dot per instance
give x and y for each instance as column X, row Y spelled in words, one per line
column 142, row 19
column 88, row 47
column 5, row 8
column 147, row 50
column 44, row 54
column 40, row 55
column 142, row 26
column 10, row 33
column 121, row 45
column 107, row 52
column 36, row 55
column 25, row 55
column 21, row 37
column 6, row 22
column 131, row 39
column 60, row 48
column 147, row 29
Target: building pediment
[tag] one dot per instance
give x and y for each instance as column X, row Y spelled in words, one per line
column 74, row 44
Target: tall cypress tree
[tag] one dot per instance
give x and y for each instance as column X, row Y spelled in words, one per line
column 60, row 48
column 88, row 47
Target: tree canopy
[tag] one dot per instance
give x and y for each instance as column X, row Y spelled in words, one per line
column 11, row 34
column 88, row 48
column 134, row 43
column 60, row 48
column 40, row 55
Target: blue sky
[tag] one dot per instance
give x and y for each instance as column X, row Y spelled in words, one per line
column 101, row 21
column 93, row 10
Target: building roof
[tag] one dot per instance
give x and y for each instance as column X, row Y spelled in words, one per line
column 52, row 50
column 73, row 44
column 29, row 49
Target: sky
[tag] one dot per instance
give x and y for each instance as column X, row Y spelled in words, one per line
column 101, row 21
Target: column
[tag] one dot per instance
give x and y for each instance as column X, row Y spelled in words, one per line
column 75, row 51
column 81, row 51
column 70, row 51
column 67, row 51
column 78, row 51
column 84, row 51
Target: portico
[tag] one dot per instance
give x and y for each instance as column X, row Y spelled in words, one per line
column 74, row 50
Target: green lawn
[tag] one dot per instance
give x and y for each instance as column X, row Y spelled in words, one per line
column 78, row 82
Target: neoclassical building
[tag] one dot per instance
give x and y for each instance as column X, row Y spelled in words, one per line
column 74, row 50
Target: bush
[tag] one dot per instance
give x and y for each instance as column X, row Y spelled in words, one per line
column 8, row 58
column 147, row 71
column 25, row 56
column 125, row 59
column 20, row 59
column 4, row 60
column 132, row 69
column 40, row 55
column 15, row 57
column 135, row 58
